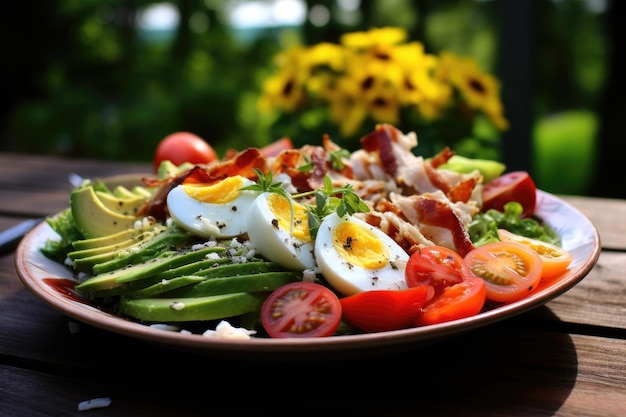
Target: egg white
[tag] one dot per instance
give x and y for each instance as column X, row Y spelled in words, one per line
column 348, row 277
column 211, row 220
column 274, row 240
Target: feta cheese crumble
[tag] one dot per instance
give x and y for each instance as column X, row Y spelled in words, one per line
column 224, row 330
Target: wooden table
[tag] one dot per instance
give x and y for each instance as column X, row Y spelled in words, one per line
column 567, row 358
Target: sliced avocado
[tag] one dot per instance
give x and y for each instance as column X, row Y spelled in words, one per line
column 261, row 282
column 98, row 185
column 191, row 309
column 122, row 192
column 93, row 218
column 122, row 205
column 168, row 169
column 137, row 270
column 215, row 268
column 163, row 286
column 86, row 259
column 168, row 240
column 141, row 191
column 97, row 242
column 489, row 169
column 86, row 253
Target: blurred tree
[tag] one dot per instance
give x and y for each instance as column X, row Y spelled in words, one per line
column 85, row 79
column 609, row 178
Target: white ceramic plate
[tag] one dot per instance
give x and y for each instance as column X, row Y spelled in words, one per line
column 45, row 279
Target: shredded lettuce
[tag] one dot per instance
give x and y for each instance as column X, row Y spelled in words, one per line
column 63, row 225
column 484, row 227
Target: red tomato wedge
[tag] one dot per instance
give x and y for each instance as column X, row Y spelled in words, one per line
column 510, row 270
column 181, row 147
column 437, row 266
column 513, row 186
column 555, row 259
column 301, row 309
column 384, row 310
column 458, row 301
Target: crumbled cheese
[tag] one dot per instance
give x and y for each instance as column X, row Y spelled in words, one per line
column 239, row 259
column 207, row 244
column 177, row 305
column 207, row 226
column 213, row 255
column 95, row 403
column 224, row 330
column 286, row 182
column 309, row 275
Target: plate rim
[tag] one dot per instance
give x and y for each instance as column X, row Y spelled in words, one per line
column 291, row 348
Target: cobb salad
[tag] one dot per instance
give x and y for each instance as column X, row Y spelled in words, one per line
column 307, row 242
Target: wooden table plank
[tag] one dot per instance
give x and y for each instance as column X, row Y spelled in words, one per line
column 599, row 299
column 484, row 376
column 607, row 215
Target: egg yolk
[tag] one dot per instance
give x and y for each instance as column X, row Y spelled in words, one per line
column 220, row 193
column 282, row 210
column 360, row 246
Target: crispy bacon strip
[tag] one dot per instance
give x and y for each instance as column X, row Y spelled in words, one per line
column 157, row 205
column 462, row 191
column 241, row 164
column 380, row 141
column 428, row 211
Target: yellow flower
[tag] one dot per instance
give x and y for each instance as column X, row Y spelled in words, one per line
column 374, row 76
column 346, row 108
column 285, row 89
column 327, row 54
column 373, row 38
column 480, row 90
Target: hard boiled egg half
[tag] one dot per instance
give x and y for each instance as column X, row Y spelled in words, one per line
column 280, row 234
column 212, row 211
column 353, row 256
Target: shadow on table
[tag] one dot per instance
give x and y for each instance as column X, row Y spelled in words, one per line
column 510, row 368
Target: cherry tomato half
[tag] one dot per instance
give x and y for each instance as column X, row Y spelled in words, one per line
column 301, row 309
column 511, row 270
column 457, row 301
column 384, row 310
column 555, row 259
column 513, row 186
column 181, row 147
column 437, row 266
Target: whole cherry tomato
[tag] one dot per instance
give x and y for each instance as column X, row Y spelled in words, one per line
column 181, row 147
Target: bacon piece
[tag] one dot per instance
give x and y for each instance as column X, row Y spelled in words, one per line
column 380, row 141
column 462, row 191
column 422, row 211
column 157, row 205
column 442, row 157
column 241, row 164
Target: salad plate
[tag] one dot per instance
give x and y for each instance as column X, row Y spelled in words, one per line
column 53, row 283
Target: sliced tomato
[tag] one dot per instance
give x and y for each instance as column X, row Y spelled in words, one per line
column 457, row 301
column 384, row 310
column 511, row 270
column 301, row 309
column 513, row 186
column 437, row 266
column 181, row 147
column 555, row 259
column 277, row 147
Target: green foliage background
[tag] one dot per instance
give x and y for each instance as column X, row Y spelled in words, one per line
column 90, row 83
